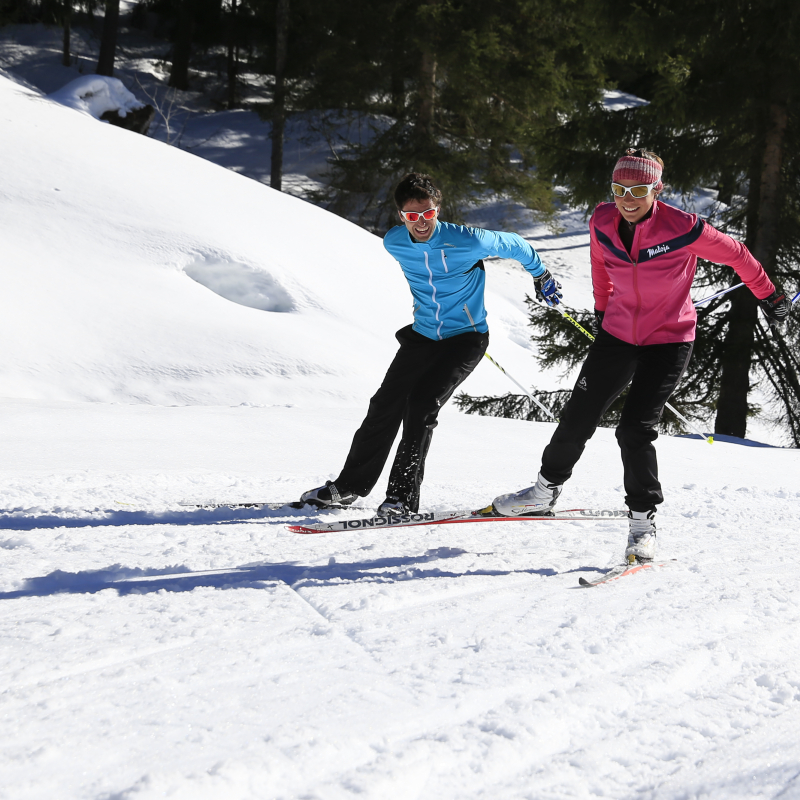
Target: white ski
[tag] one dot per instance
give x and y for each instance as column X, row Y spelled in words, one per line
column 452, row 517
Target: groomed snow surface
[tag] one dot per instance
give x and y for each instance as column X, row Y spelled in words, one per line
column 171, row 331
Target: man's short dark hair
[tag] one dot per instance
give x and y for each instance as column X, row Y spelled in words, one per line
column 416, row 186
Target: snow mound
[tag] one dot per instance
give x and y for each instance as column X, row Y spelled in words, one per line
column 242, row 284
column 95, row 95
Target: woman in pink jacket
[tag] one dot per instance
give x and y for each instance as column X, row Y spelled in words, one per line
column 644, row 255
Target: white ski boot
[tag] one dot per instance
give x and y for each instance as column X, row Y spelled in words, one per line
column 535, row 501
column 641, row 536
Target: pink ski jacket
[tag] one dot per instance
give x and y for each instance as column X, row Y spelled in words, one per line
column 645, row 295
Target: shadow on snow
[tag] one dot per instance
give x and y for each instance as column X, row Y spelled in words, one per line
column 181, row 579
column 21, row 520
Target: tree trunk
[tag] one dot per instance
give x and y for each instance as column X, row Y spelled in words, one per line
column 764, row 208
column 279, row 100
column 108, row 40
column 233, row 66
column 427, row 90
column 736, row 360
column 427, row 16
column 49, row 13
column 65, row 58
column 182, row 51
column 397, row 89
column 765, row 246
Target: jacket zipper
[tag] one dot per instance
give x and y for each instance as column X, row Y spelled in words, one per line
column 433, row 293
column 636, row 237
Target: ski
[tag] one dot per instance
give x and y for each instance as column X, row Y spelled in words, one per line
column 452, row 517
column 620, row 571
column 297, row 504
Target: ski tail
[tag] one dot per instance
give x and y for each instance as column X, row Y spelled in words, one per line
column 297, row 505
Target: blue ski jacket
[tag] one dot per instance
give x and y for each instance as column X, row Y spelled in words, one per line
column 443, row 273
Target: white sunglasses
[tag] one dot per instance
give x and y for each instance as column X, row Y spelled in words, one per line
column 640, row 190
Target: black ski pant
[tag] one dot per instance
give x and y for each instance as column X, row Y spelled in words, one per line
column 420, row 380
column 653, row 372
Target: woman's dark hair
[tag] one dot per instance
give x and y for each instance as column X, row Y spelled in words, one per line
column 416, row 186
column 640, row 152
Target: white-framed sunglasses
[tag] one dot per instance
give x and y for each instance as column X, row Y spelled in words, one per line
column 640, row 190
column 413, row 216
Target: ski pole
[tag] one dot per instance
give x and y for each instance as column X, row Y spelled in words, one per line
column 709, row 438
column 718, row 294
column 730, row 289
column 543, row 407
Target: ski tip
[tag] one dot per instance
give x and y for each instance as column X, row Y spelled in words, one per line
column 584, row 582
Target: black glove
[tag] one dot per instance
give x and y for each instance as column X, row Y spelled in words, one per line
column 597, row 323
column 548, row 289
column 776, row 308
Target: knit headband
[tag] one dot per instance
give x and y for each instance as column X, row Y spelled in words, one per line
column 642, row 170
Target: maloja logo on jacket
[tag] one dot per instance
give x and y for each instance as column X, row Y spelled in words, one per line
column 646, row 253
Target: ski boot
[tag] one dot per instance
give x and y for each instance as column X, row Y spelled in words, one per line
column 641, row 536
column 393, row 507
column 327, row 496
column 535, row 501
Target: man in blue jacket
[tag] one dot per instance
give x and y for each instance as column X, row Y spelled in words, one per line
column 442, row 264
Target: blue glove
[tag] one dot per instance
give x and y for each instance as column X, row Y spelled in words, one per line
column 548, row 289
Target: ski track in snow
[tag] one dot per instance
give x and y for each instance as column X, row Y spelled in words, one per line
column 207, row 658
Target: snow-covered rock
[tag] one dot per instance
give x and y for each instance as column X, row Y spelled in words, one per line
column 96, row 95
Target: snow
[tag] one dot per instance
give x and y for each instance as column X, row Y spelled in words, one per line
column 95, row 95
column 615, row 100
column 175, row 331
column 447, row 662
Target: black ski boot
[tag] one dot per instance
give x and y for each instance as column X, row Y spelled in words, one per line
column 327, row 496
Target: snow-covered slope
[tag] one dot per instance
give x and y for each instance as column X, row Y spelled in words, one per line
column 150, row 650
column 450, row 663
column 111, row 241
column 101, row 232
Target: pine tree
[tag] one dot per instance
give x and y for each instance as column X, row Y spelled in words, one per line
column 457, row 89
